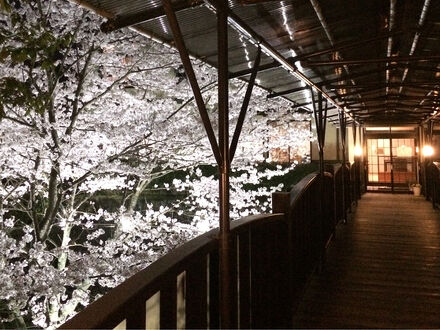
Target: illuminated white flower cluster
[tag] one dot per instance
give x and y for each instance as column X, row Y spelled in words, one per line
column 90, row 123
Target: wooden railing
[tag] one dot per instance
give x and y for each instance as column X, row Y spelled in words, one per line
column 272, row 257
column 432, row 182
column 341, row 206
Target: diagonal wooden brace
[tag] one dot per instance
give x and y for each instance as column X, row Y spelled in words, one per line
column 180, row 45
column 244, row 106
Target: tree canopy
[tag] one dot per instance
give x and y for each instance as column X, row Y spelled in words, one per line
column 82, row 113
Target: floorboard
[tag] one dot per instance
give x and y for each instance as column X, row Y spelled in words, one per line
column 381, row 271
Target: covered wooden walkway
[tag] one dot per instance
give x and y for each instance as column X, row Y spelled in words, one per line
column 382, row 270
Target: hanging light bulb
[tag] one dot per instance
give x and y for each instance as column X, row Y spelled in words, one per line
column 357, row 151
column 428, row 151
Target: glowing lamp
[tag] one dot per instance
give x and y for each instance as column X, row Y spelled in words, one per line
column 357, row 151
column 428, row 151
column 417, row 149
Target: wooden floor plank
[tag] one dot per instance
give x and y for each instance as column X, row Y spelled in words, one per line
column 382, row 270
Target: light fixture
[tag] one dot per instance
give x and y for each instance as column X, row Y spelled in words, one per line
column 357, row 151
column 428, row 151
column 417, row 149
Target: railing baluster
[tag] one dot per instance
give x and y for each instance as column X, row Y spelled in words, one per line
column 273, row 257
column 244, row 281
column 214, row 321
column 196, row 294
column 280, row 290
column 234, row 279
column 168, row 304
column 257, row 280
column 136, row 318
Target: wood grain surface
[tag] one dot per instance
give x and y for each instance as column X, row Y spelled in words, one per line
column 381, row 271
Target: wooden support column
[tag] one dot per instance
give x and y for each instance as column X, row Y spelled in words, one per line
column 226, row 297
column 364, row 159
column 321, row 122
column 430, row 131
column 343, row 130
column 356, row 165
column 320, row 115
column 423, row 142
column 428, row 160
column 222, row 151
column 418, row 154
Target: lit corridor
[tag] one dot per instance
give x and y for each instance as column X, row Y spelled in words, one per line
column 381, row 271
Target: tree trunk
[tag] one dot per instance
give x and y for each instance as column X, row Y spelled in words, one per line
column 62, row 259
column 140, row 187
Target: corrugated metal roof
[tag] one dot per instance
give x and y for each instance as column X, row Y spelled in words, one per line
column 318, row 33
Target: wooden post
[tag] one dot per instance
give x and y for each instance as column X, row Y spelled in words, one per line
column 226, row 302
column 321, row 122
column 343, row 131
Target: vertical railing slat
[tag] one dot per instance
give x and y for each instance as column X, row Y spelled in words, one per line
column 271, row 262
column 136, row 316
column 257, row 280
column 214, row 320
column 196, row 294
column 244, row 281
column 168, row 304
column 234, row 280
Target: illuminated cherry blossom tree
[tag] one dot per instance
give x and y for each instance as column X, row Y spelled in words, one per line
column 81, row 113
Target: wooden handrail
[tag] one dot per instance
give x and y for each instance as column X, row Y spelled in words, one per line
column 271, row 257
column 110, row 310
column 301, row 187
column 432, row 183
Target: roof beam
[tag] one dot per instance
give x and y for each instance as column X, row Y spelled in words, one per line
column 363, row 91
column 389, row 105
column 402, row 108
column 393, row 97
column 387, row 111
column 422, row 19
column 376, row 85
column 380, row 102
column 347, row 77
column 293, row 90
column 264, row 67
column 374, row 60
column 338, row 47
column 326, row 82
column 120, row 22
column 236, row 22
